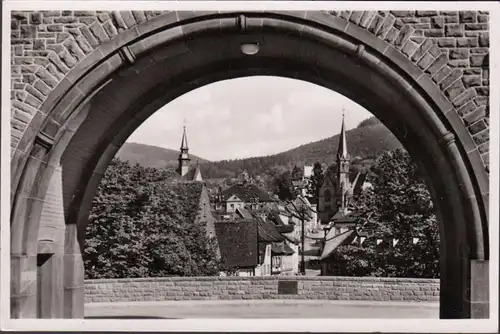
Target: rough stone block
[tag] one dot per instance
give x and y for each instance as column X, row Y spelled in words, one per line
column 474, row 116
column 128, row 18
column 451, row 19
column 386, row 26
column 426, row 13
column 434, row 33
column 403, row 13
column 452, row 77
column 484, row 39
column 391, row 35
column 446, row 42
column 483, row 138
column 477, row 127
column 483, row 91
column 476, row 26
column 98, row 32
column 365, row 19
column 403, row 35
column 36, row 18
column 468, row 16
column 28, row 31
column 459, row 53
column 467, row 42
column 139, row 16
column 477, row 60
column 376, row 24
column 425, row 61
column 89, row 36
column 453, row 30
column 454, row 90
column 439, row 62
column 45, row 76
column 437, row 22
column 471, row 80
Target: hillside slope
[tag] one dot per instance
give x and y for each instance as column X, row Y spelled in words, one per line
column 365, row 142
column 368, row 140
column 151, row 156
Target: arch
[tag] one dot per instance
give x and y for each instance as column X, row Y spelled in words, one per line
column 86, row 117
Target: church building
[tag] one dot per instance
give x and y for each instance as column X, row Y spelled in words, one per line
column 185, row 171
column 337, row 190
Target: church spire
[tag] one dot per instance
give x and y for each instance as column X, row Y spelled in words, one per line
column 342, row 150
column 184, row 142
column 184, row 154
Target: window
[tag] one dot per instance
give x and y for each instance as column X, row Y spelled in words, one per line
column 337, row 230
column 328, row 196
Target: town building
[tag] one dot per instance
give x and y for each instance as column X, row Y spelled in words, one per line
column 301, row 179
column 241, row 195
column 255, row 243
column 339, row 221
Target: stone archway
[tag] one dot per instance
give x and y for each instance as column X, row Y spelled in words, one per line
column 89, row 79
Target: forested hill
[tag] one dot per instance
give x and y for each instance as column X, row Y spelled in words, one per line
column 366, row 141
column 151, row 156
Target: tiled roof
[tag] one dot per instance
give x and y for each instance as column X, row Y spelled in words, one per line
column 291, row 236
column 238, row 243
column 247, row 192
column 281, row 248
column 300, row 204
column 340, row 217
column 358, row 183
column 192, row 174
column 244, row 213
column 334, row 241
column 284, row 229
column 267, row 231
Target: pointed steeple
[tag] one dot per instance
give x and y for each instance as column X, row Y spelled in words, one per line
column 184, row 142
column 197, row 172
column 342, row 150
column 184, row 155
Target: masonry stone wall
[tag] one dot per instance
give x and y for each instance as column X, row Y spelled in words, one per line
column 214, row 288
column 451, row 47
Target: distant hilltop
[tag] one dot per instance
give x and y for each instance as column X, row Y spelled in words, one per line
column 368, row 140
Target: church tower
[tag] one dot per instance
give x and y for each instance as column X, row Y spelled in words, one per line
column 184, row 159
column 343, row 165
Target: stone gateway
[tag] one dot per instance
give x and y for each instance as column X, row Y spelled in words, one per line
column 83, row 81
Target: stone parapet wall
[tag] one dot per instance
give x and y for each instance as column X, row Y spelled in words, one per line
column 224, row 288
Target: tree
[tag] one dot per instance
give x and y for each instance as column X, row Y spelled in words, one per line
column 141, row 225
column 400, row 208
column 284, row 187
column 296, row 173
column 316, row 180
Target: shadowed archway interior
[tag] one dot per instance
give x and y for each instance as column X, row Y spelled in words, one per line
column 103, row 107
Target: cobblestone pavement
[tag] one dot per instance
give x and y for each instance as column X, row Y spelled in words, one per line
column 262, row 309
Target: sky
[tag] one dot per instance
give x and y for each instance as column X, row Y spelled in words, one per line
column 248, row 117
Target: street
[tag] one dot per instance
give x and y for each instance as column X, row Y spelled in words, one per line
column 261, row 309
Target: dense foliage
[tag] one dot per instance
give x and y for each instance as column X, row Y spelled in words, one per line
column 398, row 207
column 284, row 188
column 316, row 180
column 141, row 225
column 369, row 121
